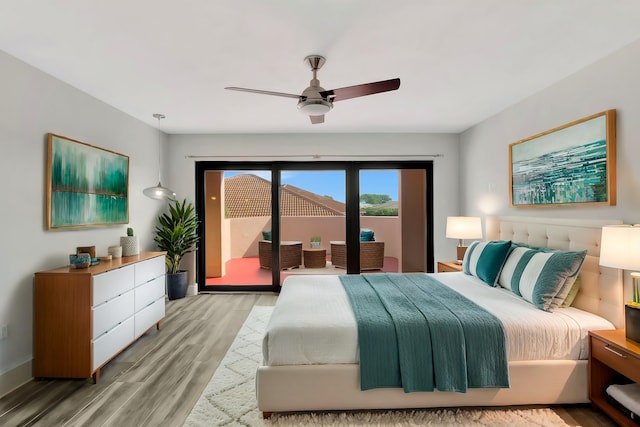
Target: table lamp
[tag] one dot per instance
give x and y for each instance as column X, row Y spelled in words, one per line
column 620, row 248
column 463, row 227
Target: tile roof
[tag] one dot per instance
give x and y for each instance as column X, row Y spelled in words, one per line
column 249, row 195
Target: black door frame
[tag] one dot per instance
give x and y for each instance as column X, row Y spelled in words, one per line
column 352, row 169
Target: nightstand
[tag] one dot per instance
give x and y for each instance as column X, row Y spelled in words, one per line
column 444, row 267
column 612, row 359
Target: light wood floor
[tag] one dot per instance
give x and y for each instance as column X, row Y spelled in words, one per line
column 157, row 380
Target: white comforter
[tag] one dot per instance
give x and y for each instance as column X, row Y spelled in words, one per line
column 313, row 323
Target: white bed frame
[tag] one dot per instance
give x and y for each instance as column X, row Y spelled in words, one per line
column 337, row 387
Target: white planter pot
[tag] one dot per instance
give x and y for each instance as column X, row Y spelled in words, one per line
column 129, row 245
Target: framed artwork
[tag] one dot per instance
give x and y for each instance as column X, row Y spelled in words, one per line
column 87, row 186
column 574, row 164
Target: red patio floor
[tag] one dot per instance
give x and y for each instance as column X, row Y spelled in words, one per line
column 247, row 271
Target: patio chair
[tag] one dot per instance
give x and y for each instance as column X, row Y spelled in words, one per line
column 371, row 255
column 290, row 254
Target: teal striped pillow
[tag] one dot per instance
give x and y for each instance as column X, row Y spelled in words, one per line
column 484, row 259
column 542, row 277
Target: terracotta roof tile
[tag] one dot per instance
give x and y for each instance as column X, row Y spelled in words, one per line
column 249, row 195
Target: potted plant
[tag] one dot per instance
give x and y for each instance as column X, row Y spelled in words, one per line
column 129, row 243
column 315, row 242
column 176, row 234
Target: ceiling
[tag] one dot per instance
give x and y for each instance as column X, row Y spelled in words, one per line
column 459, row 61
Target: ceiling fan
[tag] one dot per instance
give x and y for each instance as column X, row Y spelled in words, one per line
column 315, row 102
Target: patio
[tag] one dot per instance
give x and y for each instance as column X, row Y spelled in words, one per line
column 247, row 271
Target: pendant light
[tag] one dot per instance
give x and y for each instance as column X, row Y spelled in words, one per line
column 158, row 192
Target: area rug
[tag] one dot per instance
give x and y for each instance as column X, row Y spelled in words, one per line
column 229, row 398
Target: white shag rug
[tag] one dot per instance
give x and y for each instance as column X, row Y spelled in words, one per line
column 229, row 398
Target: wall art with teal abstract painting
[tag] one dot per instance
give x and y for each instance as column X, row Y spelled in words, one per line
column 574, row 164
column 87, row 186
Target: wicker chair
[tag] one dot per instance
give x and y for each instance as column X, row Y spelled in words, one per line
column 371, row 255
column 290, row 254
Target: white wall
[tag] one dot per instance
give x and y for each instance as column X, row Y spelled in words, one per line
column 33, row 104
column 611, row 83
column 331, row 147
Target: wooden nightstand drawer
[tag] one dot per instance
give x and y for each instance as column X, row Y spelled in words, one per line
column 445, row 267
column 619, row 359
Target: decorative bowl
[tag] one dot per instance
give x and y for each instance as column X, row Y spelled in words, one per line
column 80, row 260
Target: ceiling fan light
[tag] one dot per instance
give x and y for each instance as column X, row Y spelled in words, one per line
column 315, row 107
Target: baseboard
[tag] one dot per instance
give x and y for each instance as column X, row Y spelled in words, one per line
column 192, row 290
column 16, row 377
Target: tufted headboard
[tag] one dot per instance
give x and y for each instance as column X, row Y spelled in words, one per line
column 601, row 291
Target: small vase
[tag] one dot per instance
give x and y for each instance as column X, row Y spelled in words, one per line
column 129, row 245
column 315, row 245
column 115, row 251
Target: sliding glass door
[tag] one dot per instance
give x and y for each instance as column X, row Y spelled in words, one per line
column 274, row 219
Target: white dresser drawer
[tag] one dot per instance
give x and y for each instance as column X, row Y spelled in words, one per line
column 148, row 316
column 111, row 284
column 149, row 292
column 111, row 343
column 116, row 310
column 149, row 269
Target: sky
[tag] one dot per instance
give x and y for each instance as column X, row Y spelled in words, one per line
column 332, row 183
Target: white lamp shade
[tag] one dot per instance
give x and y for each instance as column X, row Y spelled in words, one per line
column 464, row 227
column 620, row 247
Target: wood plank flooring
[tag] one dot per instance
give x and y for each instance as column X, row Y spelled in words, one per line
column 158, row 379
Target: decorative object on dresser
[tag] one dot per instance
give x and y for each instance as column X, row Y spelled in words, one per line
column 81, row 260
column 177, row 235
column 449, row 266
column 571, row 164
column 612, row 360
column 129, row 243
column 76, row 198
column 83, row 318
column 621, row 249
column 115, row 251
column 91, row 250
column 461, row 228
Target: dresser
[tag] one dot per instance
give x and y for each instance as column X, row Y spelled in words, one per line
column 85, row 317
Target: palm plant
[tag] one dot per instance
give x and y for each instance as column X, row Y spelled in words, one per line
column 176, row 233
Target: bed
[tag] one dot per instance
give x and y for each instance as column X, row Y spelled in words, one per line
column 297, row 377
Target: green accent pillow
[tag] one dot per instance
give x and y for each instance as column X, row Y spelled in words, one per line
column 266, row 235
column 572, row 293
column 484, row 259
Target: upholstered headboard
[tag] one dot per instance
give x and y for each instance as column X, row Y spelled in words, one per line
column 601, row 291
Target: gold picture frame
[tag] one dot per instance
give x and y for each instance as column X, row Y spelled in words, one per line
column 574, row 164
column 87, row 186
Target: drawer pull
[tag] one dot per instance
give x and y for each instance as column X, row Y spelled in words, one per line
column 617, row 353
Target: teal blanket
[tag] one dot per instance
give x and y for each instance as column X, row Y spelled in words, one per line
column 416, row 333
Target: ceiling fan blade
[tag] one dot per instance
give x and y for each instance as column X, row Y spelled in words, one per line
column 317, row 119
column 263, row 92
column 361, row 90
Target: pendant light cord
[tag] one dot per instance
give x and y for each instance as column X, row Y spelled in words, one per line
column 159, row 117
